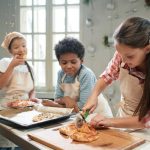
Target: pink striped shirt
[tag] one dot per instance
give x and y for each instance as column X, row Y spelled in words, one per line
column 111, row 73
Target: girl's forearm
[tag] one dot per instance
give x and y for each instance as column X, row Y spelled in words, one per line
column 129, row 122
column 99, row 87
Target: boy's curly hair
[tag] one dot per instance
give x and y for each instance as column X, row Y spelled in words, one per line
column 69, row 45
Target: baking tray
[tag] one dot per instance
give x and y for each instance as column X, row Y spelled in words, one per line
column 23, row 117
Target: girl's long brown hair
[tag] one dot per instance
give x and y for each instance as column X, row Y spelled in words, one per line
column 135, row 33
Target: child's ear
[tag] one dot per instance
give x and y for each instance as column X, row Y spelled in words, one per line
column 81, row 60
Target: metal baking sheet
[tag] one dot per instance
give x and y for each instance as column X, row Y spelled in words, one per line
column 23, row 117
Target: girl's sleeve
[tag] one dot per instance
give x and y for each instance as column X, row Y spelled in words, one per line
column 112, row 70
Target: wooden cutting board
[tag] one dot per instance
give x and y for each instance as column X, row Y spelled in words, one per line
column 110, row 139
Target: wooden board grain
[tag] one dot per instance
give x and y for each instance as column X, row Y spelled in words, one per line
column 109, row 139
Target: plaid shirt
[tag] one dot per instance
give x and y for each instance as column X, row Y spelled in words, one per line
column 112, row 71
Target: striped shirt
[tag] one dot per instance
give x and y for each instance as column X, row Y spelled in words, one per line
column 87, row 81
column 111, row 73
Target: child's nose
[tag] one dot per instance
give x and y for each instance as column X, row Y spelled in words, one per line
column 124, row 59
column 69, row 65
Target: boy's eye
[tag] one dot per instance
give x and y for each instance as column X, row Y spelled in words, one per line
column 63, row 62
column 73, row 62
column 66, row 62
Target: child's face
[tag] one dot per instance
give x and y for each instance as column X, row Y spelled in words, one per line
column 134, row 57
column 70, row 63
column 18, row 47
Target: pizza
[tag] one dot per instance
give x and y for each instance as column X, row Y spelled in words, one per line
column 44, row 116
column 20, row 103
column 84, row 134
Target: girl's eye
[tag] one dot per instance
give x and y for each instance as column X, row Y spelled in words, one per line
column 130, row 57
column 24, row 45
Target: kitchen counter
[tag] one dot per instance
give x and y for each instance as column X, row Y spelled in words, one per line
column 19, row 136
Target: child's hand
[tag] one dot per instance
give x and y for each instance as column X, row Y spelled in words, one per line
column 16, row 61
column 51, row 103
column 67, row 101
